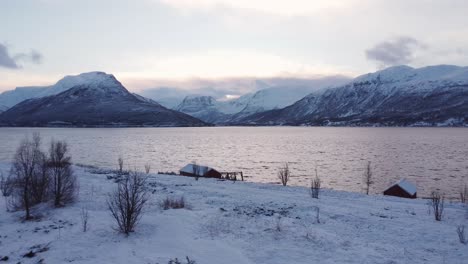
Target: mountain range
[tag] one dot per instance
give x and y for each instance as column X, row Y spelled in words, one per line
column 396, row 96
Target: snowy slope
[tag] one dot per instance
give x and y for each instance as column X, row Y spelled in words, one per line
column 205, row 108
column 12, row 97
column 236, row 223
column 272, row 98
column 401, row 96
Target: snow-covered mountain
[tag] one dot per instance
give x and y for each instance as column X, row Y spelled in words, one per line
column 173, row 96
column 397, row 96
column 209, row 109
column 92, row 99
column 13, row 97
column 205, row 108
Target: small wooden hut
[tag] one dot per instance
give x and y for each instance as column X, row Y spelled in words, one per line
column 402, row 188
column 200, row 171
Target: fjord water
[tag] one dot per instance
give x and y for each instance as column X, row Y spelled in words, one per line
column 432, row 158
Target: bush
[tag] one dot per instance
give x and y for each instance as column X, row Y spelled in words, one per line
column 126, row 203
column 315, row 185
column 63, row 181
column 173, row 203
column 284, row 174
column 437, row 204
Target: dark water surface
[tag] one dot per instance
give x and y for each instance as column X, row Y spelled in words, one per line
column 433, row 158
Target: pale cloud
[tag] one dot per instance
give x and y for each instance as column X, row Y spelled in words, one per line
column 230, row 63
column 288, row 8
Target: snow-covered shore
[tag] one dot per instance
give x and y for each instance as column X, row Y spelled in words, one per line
column 238, row 222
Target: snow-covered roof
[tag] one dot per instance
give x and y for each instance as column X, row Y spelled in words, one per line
column 189, row 168
column 406, row 186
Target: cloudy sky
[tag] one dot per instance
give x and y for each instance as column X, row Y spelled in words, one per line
column 145, row 41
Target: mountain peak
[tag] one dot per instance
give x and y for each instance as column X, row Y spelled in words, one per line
column 96, row 80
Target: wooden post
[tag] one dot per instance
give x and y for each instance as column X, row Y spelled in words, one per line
column 242, row 175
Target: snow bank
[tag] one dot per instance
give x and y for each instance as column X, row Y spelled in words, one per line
column 238, row 223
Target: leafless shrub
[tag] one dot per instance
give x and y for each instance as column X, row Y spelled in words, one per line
column 6, row 185
column 126, row 203
column 437, row 204
column 176, row 261
column 461, row 234
column 464, row 194
column 315, row 185
column 84, row 214
column 147, row 168
column 173, row 203
column 368, row 179
column 120, row 163
column 63, row 183
column 27, row 170
column 284, row 174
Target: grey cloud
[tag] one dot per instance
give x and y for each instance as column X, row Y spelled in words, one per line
column 394, row 52
column 11, row 61
column 34, row 57
column 5, row 59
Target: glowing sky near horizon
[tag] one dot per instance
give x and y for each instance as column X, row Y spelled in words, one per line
column 144, row 41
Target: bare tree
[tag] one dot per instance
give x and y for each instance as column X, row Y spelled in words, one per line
column 27, row 162
column 84, row 214
column 315, row 185
column 127, row 201
column 368, row 179
column 63, row 184
column 120, row 162
column 284, row 174
column 147, row 168
column 437, row 204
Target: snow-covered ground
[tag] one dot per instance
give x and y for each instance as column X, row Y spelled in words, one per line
column 237, row 222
